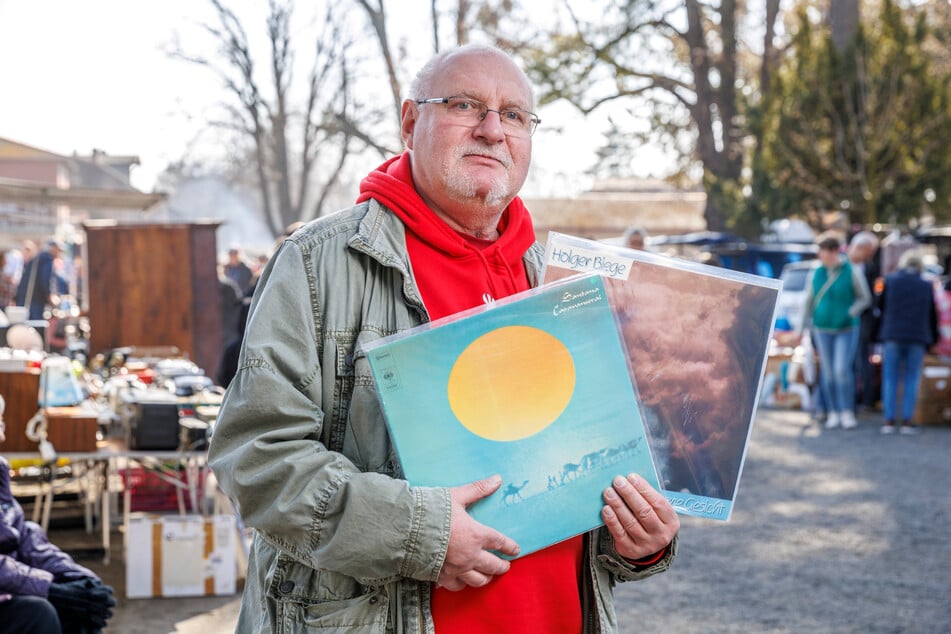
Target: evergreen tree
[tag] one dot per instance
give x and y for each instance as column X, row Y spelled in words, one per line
column 616, row 154
column 862, row 131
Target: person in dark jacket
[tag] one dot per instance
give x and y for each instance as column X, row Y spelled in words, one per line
column 39, row 282
column 909, row 326
column 863, row 254
column 228, row 364
column 42, row 590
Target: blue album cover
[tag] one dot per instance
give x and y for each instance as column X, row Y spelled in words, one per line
column 535, row 388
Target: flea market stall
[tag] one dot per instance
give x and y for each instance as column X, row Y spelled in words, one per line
column 124, row 437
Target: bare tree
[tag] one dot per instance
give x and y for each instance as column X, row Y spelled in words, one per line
column 466, row 17
column 286, row 140
column 295, row 147
column 376, row 11
column 681, row 57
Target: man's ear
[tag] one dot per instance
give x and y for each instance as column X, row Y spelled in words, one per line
column 408, row 114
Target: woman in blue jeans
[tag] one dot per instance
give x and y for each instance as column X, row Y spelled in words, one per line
column 909, row 325
column 836, row 296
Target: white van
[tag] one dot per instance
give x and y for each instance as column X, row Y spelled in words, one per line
column 792, row 299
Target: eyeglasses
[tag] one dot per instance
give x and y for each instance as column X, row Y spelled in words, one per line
column 469, row 112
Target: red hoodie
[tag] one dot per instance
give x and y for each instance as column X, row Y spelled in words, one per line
column 540, row 593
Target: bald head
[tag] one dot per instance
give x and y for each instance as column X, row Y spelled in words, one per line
column 423, row 82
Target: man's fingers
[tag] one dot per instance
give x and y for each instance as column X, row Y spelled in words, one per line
column 451, row 584
column 639, row 518
column 658, row 503
column 475, row 579
column 480, row 572
column 475, row 491
column 638, row 505
column 474, row 547
column 498, row 542
column 467, row 579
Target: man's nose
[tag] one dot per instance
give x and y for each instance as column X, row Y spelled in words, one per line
column 490, row 127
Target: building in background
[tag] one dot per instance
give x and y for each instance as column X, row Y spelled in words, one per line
column 43, row 194
column 613, row 205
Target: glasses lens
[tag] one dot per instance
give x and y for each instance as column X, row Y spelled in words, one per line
column 515, row 122
column 465, row 108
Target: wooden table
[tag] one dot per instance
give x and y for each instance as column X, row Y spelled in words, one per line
column 99, row 467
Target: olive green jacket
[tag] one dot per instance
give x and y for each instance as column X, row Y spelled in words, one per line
column 341, row 543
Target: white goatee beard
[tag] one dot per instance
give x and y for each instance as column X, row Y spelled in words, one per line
column 463, row 187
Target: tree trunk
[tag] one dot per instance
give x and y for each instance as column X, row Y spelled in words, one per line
column 844, row 22
column 377, row 17
column 715, row 108
column 462, row 22
column 434, row 13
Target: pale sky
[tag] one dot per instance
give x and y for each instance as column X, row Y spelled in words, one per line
column 79, row 75
column 92, row 74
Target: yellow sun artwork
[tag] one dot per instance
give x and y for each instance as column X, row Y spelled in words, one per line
column 511, row 383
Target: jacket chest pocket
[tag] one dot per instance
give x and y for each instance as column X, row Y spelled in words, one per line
column 358, row 427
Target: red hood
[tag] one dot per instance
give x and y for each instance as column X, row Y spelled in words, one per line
column 432, row 243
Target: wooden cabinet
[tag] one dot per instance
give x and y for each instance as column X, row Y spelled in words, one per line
column 154, row 285
column 21, row 391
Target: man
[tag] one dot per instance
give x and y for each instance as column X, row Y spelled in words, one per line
column 231, row 297
column 909, row 328
column 301, row 444
column 39, row 282
column 237, row 271
column 863, row 252
column 635, row 238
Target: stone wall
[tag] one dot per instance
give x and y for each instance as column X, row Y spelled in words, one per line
column 599, row 215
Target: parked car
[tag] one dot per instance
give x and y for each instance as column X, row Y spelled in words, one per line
column 792, row 299
column 765, row 259
column 733, row 252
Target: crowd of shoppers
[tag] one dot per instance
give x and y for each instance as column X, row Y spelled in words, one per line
column 856, row 308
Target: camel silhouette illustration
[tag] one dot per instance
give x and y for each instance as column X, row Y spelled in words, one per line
column 512, row 493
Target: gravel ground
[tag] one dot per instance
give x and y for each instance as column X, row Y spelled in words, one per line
column 833, row 531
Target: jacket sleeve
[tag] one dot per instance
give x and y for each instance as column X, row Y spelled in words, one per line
column 863, row 296
column 622, row 569
column 808, row 306
column 18, row 578
column 268, row 455
column 934, row 330
column 30, row 563
column 38, row 552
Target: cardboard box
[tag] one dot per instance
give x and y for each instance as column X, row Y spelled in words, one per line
column 180, row 556
column 934, row 393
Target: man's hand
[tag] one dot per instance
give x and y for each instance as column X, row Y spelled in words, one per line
column 468, row 560
column 640, row 519
column 82, row 602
